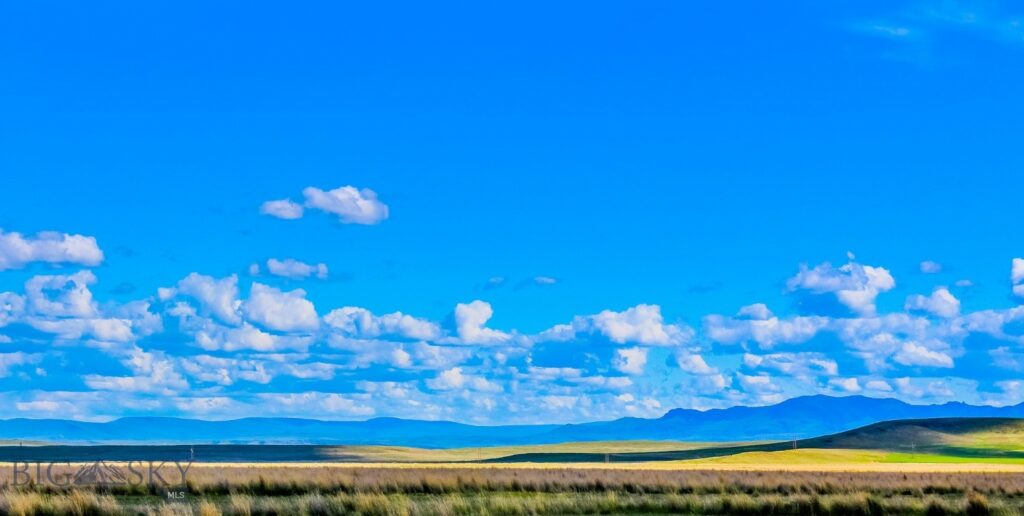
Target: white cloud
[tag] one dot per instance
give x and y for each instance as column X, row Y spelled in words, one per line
column 295, row 269
column 280, row 311
column 282, row 209
column 470, row 319
column 630, row 360
column 545, row 280
column 694, row 364
column 845, row 384
column 12, row 306
column 1017, row 277
column 855, row 286
column 941, row 303
column 806, row 364
column 203, row 405
column 351, row 205
column 260, row 369
column 878, row 385
column 964, row 283
column 218, row 297
column 62, row 296
column 641, row 324
column 17, row 250
column 914, row 354
column 930, row 267
column 454, row 378
column 766, row 333
column 757, row 311
column 152, row 373
column 306, row 404
column 15, row 359
column 757, row 383
column 212, row 336
column 361, row 323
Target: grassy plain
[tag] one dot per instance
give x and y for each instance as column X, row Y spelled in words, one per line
column 925, row 467
column 441, row 490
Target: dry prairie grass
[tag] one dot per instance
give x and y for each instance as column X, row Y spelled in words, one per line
column 389, row 490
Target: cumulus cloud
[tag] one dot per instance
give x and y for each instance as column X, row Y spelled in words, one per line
column 757, row 311
column 930, row 267
column 261, row 369
column 641, row 324
column 12, row 306
column 765, row 332
column 153, row 372
column 361, row 323
column 878, row 385
column 454, row 378
column 313, row 403
column 694, row 364
column 940, row 303
column 294, row 269
column 845, row 384
column 217, row 297
column 855, row 286
column 9, row 361
column 914, row 354
column 62, row 296
column 806, row 364
column 215, row 337
column 1017, row 276
column 350, row 204
column 630, row 360
column 280, row 311
column 63, row 306
column 282, row 209
column 17, row 250
column 470, row 319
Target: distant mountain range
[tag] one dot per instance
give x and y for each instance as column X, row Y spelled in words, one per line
column 797, row 418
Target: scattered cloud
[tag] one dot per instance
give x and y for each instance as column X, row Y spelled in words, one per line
column 350, row 204
column 940, row 303
column 630, row 360
column 294, row 269
column 280, row 311
column 855, row 286
column 930, row 267
column 470, row 319
column 282, row 209
column 17, row 250
column 360, row 323
column 914, row 354
column 1017, row 277
column 544, row 280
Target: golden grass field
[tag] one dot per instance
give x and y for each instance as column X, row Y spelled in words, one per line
column 961, row 469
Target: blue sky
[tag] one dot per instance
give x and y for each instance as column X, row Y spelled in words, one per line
column 578, row 210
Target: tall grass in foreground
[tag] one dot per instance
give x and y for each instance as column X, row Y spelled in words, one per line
column 85, row 503
column 485, row 491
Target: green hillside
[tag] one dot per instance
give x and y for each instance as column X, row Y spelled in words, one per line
column 958, row 437
column 926, row 440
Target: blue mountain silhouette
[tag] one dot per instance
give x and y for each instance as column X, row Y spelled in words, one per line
column 796, row 418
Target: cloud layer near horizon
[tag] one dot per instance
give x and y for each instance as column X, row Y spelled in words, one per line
column 222, row 347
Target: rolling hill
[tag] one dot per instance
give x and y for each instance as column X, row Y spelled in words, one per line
column 923, row 439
